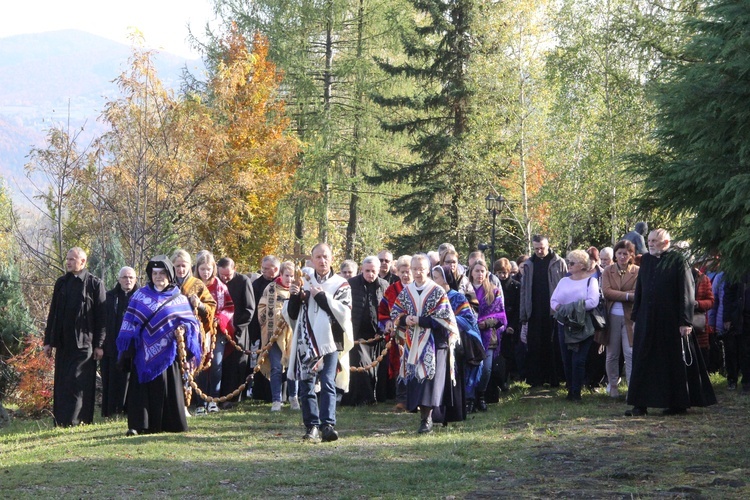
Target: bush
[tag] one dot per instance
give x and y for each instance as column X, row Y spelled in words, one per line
column 34, row 372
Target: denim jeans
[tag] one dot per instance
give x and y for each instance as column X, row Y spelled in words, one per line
column 486, row 374
column 210, row 380
column 274, row 356
column 574, row 362
column 320, row 409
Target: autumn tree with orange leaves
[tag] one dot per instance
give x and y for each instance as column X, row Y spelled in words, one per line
column 243, row 138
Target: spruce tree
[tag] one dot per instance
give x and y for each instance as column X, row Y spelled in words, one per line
column 701, row 172
column 435, row 115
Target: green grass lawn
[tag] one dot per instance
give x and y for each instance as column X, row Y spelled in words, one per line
column 533, row 444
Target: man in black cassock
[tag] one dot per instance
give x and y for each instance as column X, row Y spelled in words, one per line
column 75, row 329
column 114, row 380
column 668, row 369
column 540, row 274
column 367, row 291
column 241, row 290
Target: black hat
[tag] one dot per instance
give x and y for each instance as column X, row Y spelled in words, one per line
column 160, row 262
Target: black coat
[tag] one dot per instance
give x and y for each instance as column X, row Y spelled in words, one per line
column 241, row 290
column 512, row 297
column 90, row 317
column 116, row 304
column 259, row 285
column 359, row 302
column 736, row 302
column 663, row 303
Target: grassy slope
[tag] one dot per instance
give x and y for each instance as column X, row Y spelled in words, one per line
column 532, row 444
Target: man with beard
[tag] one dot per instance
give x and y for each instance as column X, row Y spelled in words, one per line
column 367, row 291
column 539, row 277
column 76, row 330
column 668, row 369
column 114, row 380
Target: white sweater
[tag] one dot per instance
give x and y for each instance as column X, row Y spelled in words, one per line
column 569, row 290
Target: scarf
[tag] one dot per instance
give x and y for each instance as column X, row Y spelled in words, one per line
column 155, row 343
column 467, row 323
column 418, row 360
column 313, row 336
column 272, row 323
column 496, row 311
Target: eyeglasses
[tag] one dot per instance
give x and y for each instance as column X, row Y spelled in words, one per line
column 385, row 261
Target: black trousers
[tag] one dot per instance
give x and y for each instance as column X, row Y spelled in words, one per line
column 737, row 356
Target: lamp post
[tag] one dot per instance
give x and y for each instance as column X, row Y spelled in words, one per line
column 494, row 205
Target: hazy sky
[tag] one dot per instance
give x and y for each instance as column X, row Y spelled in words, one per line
column 162, row 22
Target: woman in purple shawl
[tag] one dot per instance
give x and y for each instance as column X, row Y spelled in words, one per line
column 492, row 322
column 148, row 349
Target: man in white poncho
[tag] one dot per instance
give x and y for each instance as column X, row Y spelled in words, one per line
column 320, row 315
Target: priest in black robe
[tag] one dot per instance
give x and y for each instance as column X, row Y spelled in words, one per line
column 668, row 369
column 75, row 329
column 540, row 275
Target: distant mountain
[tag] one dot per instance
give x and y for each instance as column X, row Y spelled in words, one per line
column 46, row 77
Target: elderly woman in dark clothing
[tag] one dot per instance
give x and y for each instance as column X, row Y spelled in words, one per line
column 367, row 292
column 114, row 381
column 157, row 315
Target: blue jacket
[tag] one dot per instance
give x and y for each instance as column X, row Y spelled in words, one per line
column 716, row 313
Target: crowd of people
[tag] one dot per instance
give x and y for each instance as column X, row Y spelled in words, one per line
column 441, row 337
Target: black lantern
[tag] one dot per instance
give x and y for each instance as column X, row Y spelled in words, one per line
column 494, row 205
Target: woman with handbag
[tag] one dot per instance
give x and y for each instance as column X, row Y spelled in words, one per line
column 573, row 298
column 492, row 322
column 618, row 283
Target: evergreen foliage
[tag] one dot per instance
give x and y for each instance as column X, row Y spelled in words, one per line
column 16, row 323
column 436, row 118
column 702, row 169
column 324, row 50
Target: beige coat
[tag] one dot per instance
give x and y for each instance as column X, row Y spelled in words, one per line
column 272, row 322
column 615, row 288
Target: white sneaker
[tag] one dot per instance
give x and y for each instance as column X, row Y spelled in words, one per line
column 200, row 411
column 294, row 403
column 276, row 406
column 213, row 407
column 187, row 413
